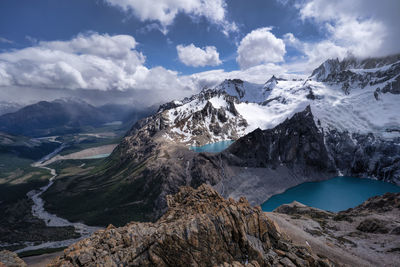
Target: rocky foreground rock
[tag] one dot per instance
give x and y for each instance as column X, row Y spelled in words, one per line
column 200, row 228
column 10, row 259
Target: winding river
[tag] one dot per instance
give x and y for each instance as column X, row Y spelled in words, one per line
column 52, row 220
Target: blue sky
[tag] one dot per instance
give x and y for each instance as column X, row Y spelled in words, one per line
column 46, row 20
column 65, row 44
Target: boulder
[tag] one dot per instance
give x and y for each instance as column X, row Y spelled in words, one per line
column 372, row 225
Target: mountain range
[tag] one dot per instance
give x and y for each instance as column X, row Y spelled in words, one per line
column 9, row 107
column 25, row 147
column 342, row 120
column 65, row 116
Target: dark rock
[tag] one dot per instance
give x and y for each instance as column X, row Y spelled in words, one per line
column 364, row 155
column 372, row 226
column 392, row 87
column 395, row 231
column 295, row 141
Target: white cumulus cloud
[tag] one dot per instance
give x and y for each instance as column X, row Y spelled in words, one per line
column 260, row 46
column 191, row 55
column 92, row 61
column 95, row 66
column 363, row 27
column 165, row 11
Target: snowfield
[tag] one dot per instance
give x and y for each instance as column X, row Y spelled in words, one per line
column 357, row 109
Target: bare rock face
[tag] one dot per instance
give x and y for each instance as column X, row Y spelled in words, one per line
column 342, row 72
column 200, row 228
column 295, row 141
column 10, row 259
column 365, row 155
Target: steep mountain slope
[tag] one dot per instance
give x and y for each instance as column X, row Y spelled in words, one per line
column 133, row 182
column 297, row 150
column 336, row 131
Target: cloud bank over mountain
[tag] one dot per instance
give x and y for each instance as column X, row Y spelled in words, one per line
column 216, row 45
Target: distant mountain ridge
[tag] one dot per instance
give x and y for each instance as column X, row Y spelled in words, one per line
column 9, row 107
column 51, row 118
column 65, row 116
column 352, row 73
column 24, row 147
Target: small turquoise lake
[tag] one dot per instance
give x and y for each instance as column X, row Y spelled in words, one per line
column 213, row 148
column 336, row 194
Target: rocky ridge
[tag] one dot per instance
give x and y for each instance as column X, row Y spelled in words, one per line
column 354, row 73
column 200, row 228
column 210, row 116
column 367, row 235
column 365, row 155
column 295, row 141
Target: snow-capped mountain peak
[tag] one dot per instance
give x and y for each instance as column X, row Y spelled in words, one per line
column 270, row 84
column 363, row 100
column 352, row 73
column 243, row 90
column 333, row 67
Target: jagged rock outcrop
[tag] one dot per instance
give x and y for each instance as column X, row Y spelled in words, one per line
column 299, row 141
column 10, row 259
column 271, row 83
column 200, row 228
column 295, row 141
column 354, row 73
column 365, row 155
column 206, row 117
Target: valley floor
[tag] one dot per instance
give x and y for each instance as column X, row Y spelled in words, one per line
column 83, row 154
column 20, row 230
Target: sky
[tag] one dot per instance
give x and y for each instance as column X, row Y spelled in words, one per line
column 148, row 52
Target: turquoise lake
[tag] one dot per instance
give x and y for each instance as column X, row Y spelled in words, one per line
column 336, row 194
column 213, row 148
